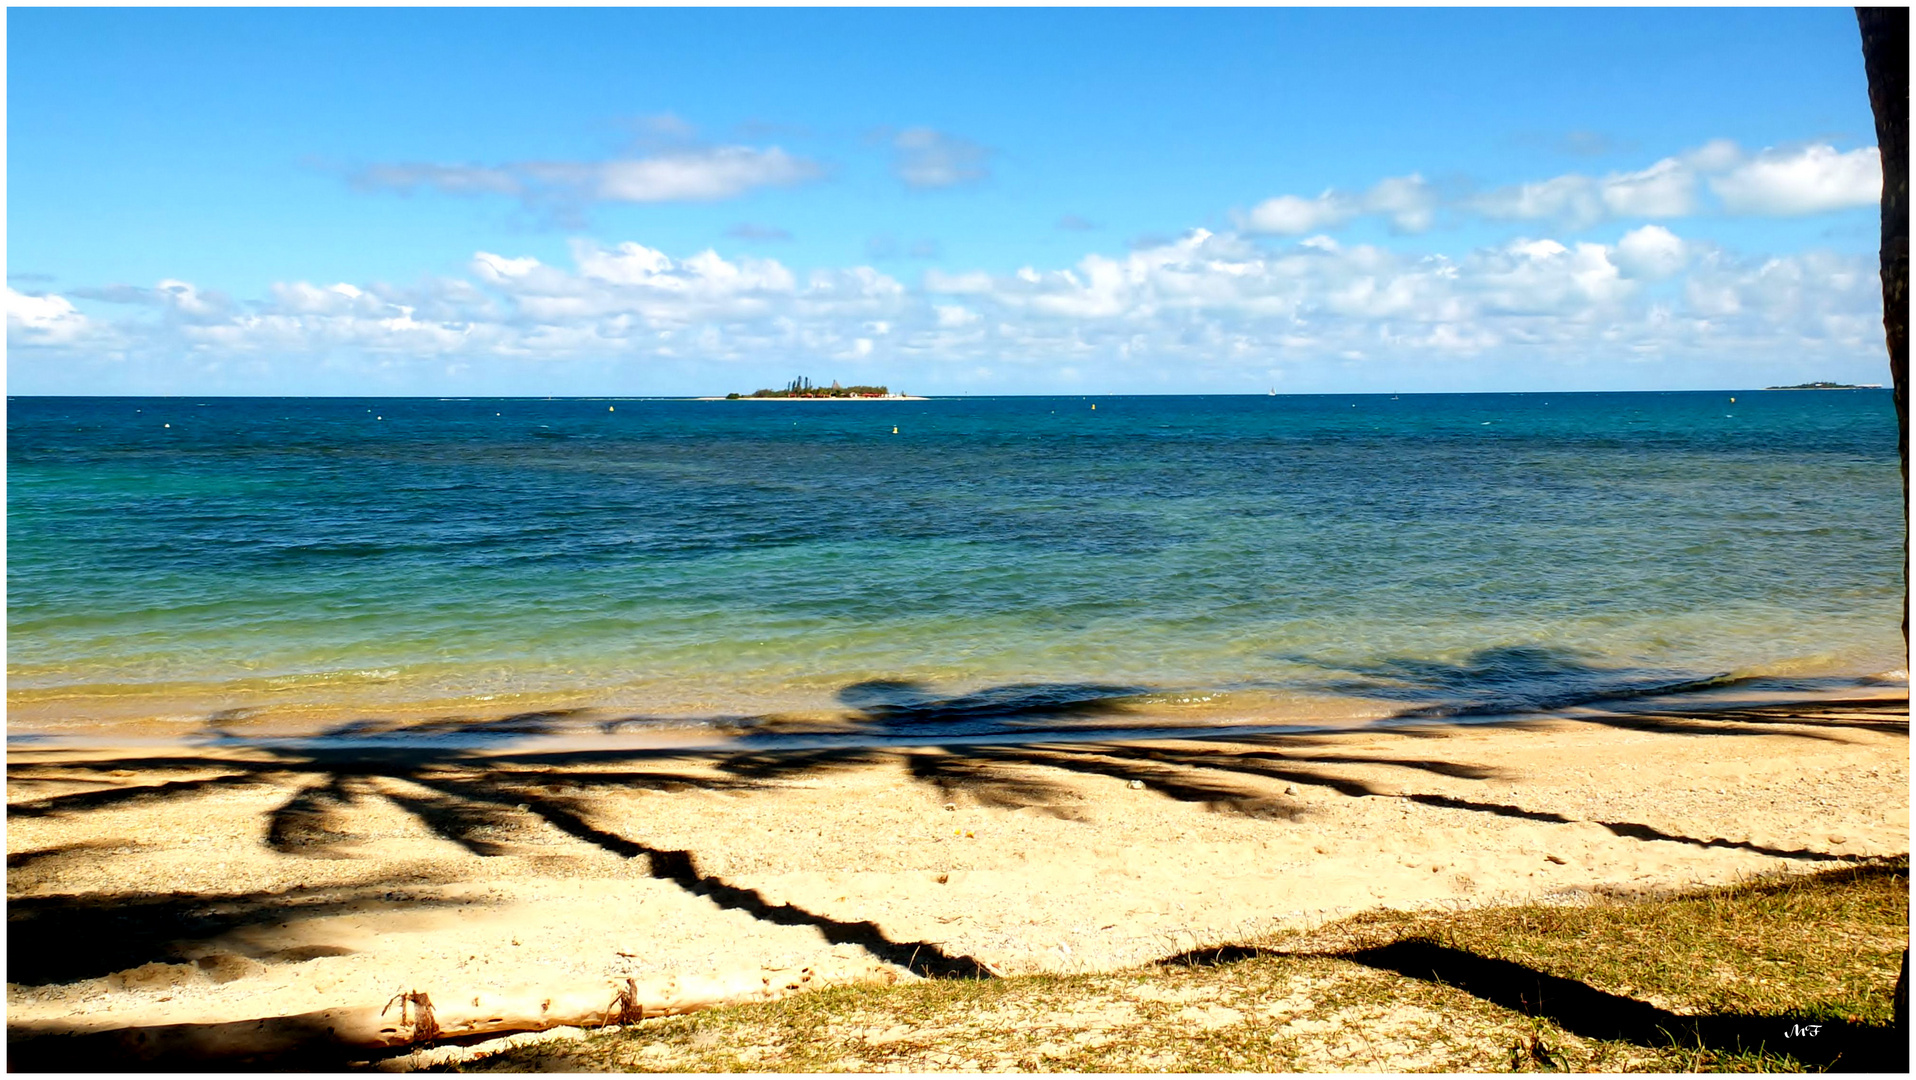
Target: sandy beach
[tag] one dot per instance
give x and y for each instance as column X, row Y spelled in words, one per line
column 174, row 883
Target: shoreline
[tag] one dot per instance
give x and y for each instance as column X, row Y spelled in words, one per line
column 899, row 713
column 224, row 881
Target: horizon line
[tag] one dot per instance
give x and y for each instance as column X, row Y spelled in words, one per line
column 943, row 397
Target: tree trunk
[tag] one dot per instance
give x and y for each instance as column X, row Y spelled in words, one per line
column 1886, row 62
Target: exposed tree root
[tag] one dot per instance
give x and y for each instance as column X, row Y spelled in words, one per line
column 408, row 1020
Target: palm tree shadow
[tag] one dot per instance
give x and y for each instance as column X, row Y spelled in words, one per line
column 464, row 782
column 1521, row 679
column 1591, row 1013
column 905, row 707
column 1504, row 680
column 63, row 938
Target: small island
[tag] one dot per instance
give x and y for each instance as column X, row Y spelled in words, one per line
column 1828, row 386
column 802, row 388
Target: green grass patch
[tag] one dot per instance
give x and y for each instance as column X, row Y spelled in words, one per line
column 1788, row 974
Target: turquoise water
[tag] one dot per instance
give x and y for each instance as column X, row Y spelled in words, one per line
column 1008, row 557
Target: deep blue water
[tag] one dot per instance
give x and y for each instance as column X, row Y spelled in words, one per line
column 1261, row 554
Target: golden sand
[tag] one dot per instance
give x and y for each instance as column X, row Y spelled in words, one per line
column 170, row 883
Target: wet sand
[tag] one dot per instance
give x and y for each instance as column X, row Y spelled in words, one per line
column 173, row 882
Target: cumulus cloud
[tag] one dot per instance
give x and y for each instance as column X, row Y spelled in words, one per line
column 186, row 300
column 1570, row 199
column 1202, row 302
column 1651, row 253
column 1810, row 180
column 1544, row 277
column 1292, row 215
column 954, row 315
column 1713, row 157
column 1408, row 203
column 924, row 158
column 698, row 175
column 1666, row 189
column 44, row 320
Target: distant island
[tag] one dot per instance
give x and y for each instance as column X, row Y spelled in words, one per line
column 1828, row 386
column 802, row 387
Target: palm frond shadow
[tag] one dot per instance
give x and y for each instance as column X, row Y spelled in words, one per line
column 1513, row 680
column 464, row 781
column 64, row 938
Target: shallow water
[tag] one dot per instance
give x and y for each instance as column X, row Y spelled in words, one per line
column 1020, row 564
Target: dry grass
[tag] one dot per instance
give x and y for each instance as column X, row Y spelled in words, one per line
column 1703, row 980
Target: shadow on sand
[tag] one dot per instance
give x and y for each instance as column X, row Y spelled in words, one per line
column 465, row 781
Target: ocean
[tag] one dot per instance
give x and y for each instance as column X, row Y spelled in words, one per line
column 936, row 567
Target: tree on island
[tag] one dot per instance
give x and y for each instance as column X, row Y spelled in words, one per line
column 802, row 387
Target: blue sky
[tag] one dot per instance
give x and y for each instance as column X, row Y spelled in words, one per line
column 619, row 201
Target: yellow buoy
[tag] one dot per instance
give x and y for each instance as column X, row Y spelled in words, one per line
column 1094, row 408
column 1732, row 401
column 608, row 408
column 894, row 431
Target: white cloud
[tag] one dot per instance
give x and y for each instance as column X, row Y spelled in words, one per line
column 1571, row 199
column 1543, row 277
column 301, row 298
column 1290, row 215
column 1714, row 156
column 700, row 175
column 44, row 320
column 1807, row 181
column 189, row 301
column 954, row 315
column 498, row 269
column 640, row 284
column 1204, row 303
column 1811, row 180
column 1664, row 190
column 1408, row 201
column 1651, row 253
column 924, row 158
column 703, row 174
